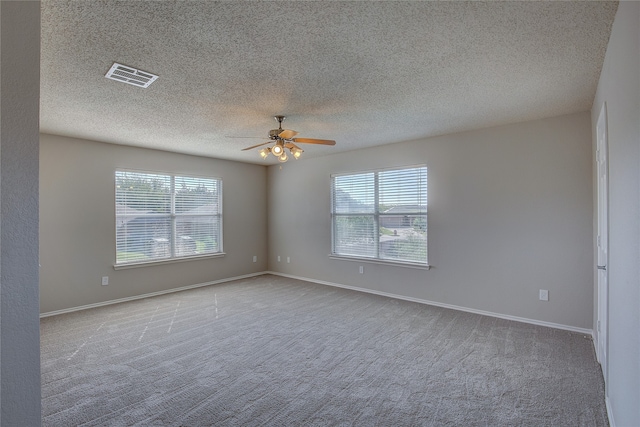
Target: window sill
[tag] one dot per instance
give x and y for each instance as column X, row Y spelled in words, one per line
column 166, row 261
column 380, row 261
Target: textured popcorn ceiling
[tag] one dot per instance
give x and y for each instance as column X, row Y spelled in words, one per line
column 362, row 73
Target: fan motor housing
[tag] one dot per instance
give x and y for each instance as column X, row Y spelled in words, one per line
column 273, row 133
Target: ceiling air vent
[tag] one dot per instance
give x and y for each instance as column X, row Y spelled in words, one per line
column 124, row 74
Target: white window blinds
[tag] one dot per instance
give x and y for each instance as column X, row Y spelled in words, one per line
column 381, row 215
column 166, row 216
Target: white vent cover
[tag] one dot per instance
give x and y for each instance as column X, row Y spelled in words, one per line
column 125, row 74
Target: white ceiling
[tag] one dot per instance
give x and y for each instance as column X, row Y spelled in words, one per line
column 362, row 73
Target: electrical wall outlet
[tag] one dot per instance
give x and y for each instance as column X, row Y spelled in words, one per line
column 278, row 258
column 544, row 295
column 361, row 270
column 255, row 258
column 105, row 280
column 288, row 260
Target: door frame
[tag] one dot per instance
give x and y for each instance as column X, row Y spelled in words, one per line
column 602, row 241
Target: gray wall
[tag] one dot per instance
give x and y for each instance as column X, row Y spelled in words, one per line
column 510, row 212
column 77, row 220
column 619, row 87
column 19, row 110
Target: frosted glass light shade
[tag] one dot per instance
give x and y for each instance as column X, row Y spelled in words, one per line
column 296, row 153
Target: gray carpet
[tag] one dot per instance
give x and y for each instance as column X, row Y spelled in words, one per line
column 275, row 351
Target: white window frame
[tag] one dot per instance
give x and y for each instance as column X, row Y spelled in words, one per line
column 376, row 216
column 172, row 216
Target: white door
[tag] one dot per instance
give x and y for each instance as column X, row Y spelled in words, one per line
column 602, row 240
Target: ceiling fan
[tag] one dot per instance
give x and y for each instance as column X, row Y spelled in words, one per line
column 284, row 138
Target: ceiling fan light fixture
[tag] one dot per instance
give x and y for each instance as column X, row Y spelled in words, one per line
column 297, row 152
column 283, row 140
column 264, row 153
column 277, row 149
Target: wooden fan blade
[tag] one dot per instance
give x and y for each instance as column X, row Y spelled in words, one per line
column 291, row 145
column 314, row 141
column 287, row 134
column 257, row 145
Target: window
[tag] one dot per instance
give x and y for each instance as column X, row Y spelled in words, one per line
column 381, row 215
column 161, row 217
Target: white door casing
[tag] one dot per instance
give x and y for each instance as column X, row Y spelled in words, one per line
column 602, row 240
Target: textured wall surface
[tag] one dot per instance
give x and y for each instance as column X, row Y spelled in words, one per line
column 77, row 222
column 19, row 324
column 509, row 213
column 619, row 87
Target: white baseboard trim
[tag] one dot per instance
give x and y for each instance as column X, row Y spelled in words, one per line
column 607, row 402
column 152, row 294
column 439, row 304
column 338, row 285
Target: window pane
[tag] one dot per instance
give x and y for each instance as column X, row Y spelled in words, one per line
column 143, row 193
column 354, row 193
column 143, row 225
column 403, row 221
column 355, row 236
column 196, row 235
column 142, row 238
column 403, row 238
column 196, row 196
column 403, row 191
